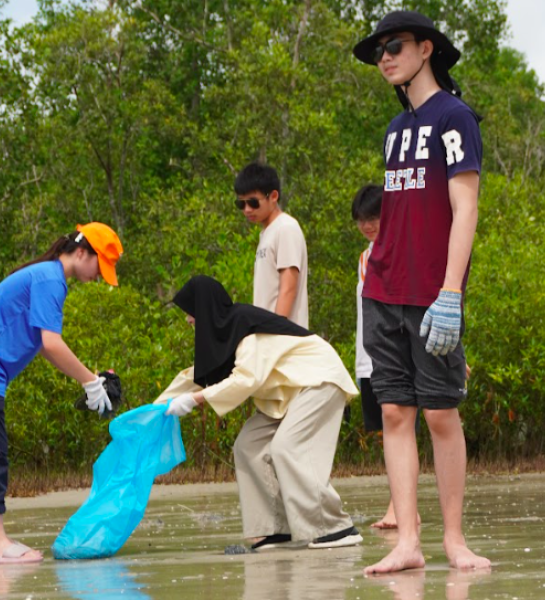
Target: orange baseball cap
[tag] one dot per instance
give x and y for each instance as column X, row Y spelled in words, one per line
column 107, row 245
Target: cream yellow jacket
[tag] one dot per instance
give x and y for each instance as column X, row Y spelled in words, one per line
column 272, row 369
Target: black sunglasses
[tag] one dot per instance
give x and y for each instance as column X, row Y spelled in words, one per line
column 251, row 202
column 393, row 47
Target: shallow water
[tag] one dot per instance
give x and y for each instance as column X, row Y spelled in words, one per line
column 177, row 551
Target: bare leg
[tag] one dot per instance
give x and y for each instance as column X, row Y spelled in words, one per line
column 449, row 451
column 401, row 456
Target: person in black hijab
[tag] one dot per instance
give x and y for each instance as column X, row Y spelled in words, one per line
column 284, row 452
column 222, row 325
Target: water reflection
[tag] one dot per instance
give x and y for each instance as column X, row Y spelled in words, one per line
column 409, row 585
column 390, row 537
column 9, row 574
column 459, row 582
column 177, row 552
column 299, row 575
column 99, row 580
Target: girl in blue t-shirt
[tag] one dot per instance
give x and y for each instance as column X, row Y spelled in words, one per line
column 31, row 314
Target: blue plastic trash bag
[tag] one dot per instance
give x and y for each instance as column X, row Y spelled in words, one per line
column 145, row 443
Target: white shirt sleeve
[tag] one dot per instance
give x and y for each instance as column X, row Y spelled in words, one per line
column 182, row 383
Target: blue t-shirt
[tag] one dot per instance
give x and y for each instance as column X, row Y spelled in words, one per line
column 31, row 299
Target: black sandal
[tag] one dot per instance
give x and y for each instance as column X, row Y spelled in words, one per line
column 346, row 537
column 272, row 541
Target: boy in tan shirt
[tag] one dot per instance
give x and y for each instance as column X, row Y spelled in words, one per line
column 280, row 271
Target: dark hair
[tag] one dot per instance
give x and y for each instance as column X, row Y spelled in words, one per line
column 66, row 244
column 257, row 177
column 367, row 203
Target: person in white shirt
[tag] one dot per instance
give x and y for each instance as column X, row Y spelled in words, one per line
column 284, row 452
column 366, row 212
column 281, row 263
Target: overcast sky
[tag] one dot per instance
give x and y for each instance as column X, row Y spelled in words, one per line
column 526, row 17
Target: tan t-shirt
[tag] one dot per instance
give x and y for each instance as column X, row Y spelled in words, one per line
column 281, row 245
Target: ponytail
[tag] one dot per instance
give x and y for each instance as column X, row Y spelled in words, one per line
column 66, row 244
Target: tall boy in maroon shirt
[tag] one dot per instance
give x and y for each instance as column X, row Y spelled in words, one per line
column 412, row 298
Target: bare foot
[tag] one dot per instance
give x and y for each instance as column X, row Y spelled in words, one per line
column 384, row 523
column 399, row 559
column 389, row 520
column 12, row 552
column 461, row 557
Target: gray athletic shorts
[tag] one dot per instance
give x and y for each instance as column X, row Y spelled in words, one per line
column 403, row 372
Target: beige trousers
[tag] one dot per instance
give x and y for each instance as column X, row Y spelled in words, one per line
column 283, row 468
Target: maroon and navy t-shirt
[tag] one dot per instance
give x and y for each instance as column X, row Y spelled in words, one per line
column 421, row 154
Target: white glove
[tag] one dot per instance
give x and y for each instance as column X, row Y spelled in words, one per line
column 97, row 398
column 181, row 405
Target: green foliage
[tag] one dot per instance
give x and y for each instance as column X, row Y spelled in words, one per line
column 506, row 317
column 141, row 113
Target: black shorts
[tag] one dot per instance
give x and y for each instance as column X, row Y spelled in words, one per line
column 403, row 372
column 372, row 413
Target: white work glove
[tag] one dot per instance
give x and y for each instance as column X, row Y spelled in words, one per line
column 97, row 398
column 443, row 321
column 181, row 405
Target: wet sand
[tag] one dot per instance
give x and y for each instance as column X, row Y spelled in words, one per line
column 177, row 551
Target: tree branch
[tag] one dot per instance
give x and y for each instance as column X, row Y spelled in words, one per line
column 299, row 39
column 188, row 38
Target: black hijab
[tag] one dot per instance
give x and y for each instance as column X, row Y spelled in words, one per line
column 220, row 325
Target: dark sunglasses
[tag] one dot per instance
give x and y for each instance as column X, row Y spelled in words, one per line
column 251, row 202
column 393, row 47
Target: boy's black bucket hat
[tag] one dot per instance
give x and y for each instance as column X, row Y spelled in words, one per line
column 412, row 21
